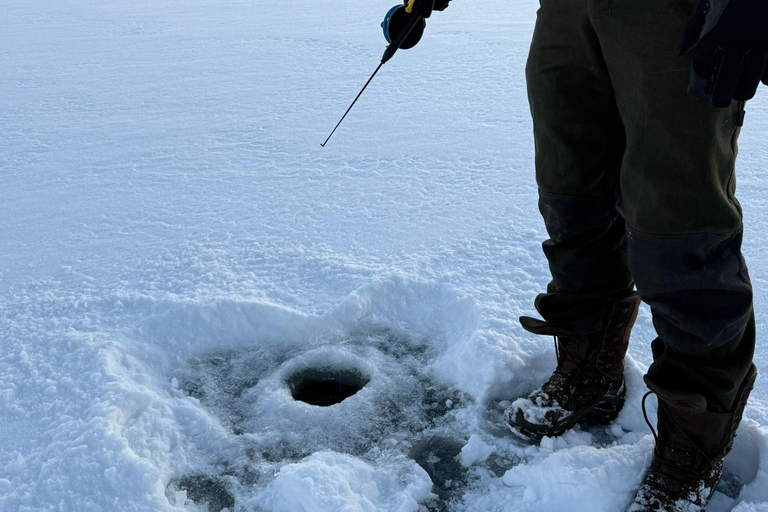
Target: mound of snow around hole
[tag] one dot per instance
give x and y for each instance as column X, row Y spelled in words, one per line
column 189, row 388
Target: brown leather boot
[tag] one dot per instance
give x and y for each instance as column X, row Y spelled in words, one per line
column 588, row 384
column 690, row 446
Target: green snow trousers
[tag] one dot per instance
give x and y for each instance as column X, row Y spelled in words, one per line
column 636, row 188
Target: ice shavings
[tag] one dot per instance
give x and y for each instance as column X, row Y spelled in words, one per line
column 475, row 451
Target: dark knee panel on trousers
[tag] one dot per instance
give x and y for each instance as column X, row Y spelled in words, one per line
column 697, row 286
column 587, row 256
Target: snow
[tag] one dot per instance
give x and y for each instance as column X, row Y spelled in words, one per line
column 333, row 481
column 177, row 248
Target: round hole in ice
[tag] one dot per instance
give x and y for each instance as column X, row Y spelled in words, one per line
column 325, row 386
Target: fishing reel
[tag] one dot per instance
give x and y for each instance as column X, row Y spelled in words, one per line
column 397, row 20
column 403, row 28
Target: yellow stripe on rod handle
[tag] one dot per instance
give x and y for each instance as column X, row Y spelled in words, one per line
column 409, row 9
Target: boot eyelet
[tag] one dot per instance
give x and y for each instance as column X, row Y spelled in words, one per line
column 611, row 353
column 615, row 339
column 625, row 310
column 609, row 366
column 620, row 324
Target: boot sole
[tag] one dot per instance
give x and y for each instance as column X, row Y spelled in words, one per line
column 600, row 412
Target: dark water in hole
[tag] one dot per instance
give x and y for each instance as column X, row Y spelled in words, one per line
column 324, row 387
column 324, row 393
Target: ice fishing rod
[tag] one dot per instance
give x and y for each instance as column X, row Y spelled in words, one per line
column 402, row 29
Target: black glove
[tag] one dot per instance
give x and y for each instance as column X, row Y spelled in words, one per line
column 424, row 8
column 729, row 41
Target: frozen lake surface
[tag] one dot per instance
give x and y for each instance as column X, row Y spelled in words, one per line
column 182, row 263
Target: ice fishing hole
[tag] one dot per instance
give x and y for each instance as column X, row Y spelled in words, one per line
column 324, row 386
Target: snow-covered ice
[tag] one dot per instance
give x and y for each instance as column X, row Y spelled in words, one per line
column 180, row 255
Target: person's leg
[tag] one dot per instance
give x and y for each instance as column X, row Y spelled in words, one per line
column 677, row 196
column 684, row 235
column 589, row 305
column 579, row 146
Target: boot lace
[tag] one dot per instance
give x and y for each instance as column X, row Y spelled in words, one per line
column 658, row 458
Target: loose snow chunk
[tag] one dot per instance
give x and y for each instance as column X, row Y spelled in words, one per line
column 475, row 451
column 16, row 465
column 333, row 481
